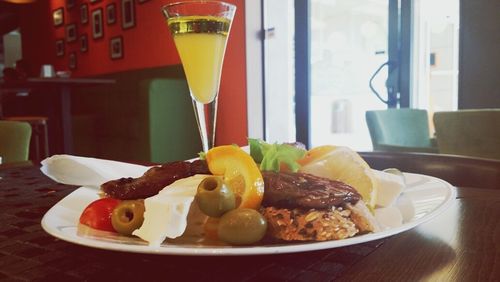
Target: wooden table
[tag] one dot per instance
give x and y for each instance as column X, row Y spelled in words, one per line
column 63, row 88
column 459, row 245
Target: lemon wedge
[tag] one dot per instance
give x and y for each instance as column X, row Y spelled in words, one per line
column 342, row 164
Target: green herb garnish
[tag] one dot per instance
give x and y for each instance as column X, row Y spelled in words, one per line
column 271, row 156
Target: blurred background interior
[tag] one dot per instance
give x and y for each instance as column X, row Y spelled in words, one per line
column 316, row 71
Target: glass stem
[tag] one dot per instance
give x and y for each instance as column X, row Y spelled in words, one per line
column 206, row 117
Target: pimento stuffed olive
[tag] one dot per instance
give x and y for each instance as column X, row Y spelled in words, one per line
column 128, row 216
column 213, row 197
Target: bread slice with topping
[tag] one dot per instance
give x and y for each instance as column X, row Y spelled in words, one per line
column 304, row 207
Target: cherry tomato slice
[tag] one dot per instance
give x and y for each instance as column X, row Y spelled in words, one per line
column 97, row 214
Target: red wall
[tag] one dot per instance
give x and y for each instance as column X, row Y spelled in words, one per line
column 147, row 44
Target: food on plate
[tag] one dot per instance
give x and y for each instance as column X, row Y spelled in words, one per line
column 291, row 190
column 234, row 194
column 405, row 207
column 241, row 227
column 97, row 214
column 210, row 228
column 389, row 216
column 304, row 207
column 214, row 198
column 390, row 187
column 166, row 214
column 128, row 216
column 276, row 157
column 278, row 191
column 153, row 180
column 342, row 164
column 240, row 173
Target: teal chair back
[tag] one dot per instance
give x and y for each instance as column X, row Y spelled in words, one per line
column 474, row 133
column 14, row 141
column 400, row 130
column 173, row 132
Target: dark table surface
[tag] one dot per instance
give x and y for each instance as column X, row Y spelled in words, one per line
column 459, row 245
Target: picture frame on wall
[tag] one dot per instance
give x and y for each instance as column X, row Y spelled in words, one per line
column 97, row 27
column 71, row 33
column 58, row 16
column 70, row 4
column 84, row 13
column 116, row 48
column 111, row 13
column 60, row 47
column 72, row 60
column 128, row 14
column 84, row 43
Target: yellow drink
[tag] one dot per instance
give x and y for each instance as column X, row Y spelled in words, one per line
column 200, row 30
column 201, row 43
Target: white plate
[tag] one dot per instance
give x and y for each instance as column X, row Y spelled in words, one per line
column 427, row 196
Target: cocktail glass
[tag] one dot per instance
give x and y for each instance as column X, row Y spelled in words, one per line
column 200, row 30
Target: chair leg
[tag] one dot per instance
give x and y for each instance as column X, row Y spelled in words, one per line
column 39, row 142
column 35, row 143
column 46, row 141
column 37, row 147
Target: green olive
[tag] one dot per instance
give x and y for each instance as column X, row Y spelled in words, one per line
column 242, row 227
column 213, row 197
column 128, row 216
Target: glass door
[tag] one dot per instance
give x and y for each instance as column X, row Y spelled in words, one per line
column 435, row 48
column 337, row 47
column 349, row 42
column 349, row 57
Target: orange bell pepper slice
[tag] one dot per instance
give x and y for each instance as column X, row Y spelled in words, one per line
column 240, row 173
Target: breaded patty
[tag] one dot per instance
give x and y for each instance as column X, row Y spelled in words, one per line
column 311, row 225
column 304, row 207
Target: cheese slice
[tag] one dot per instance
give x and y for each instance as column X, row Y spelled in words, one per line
column 389, row 217
column 390, row 187
column 166, row 213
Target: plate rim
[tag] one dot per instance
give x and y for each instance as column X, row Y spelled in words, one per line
column 245, row 250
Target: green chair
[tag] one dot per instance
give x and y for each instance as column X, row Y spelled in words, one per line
column 474, row 133
column 173, row 132
column 14, row 141
column 400, row 130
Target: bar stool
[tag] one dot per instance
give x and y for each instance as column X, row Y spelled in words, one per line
column 39, row 144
